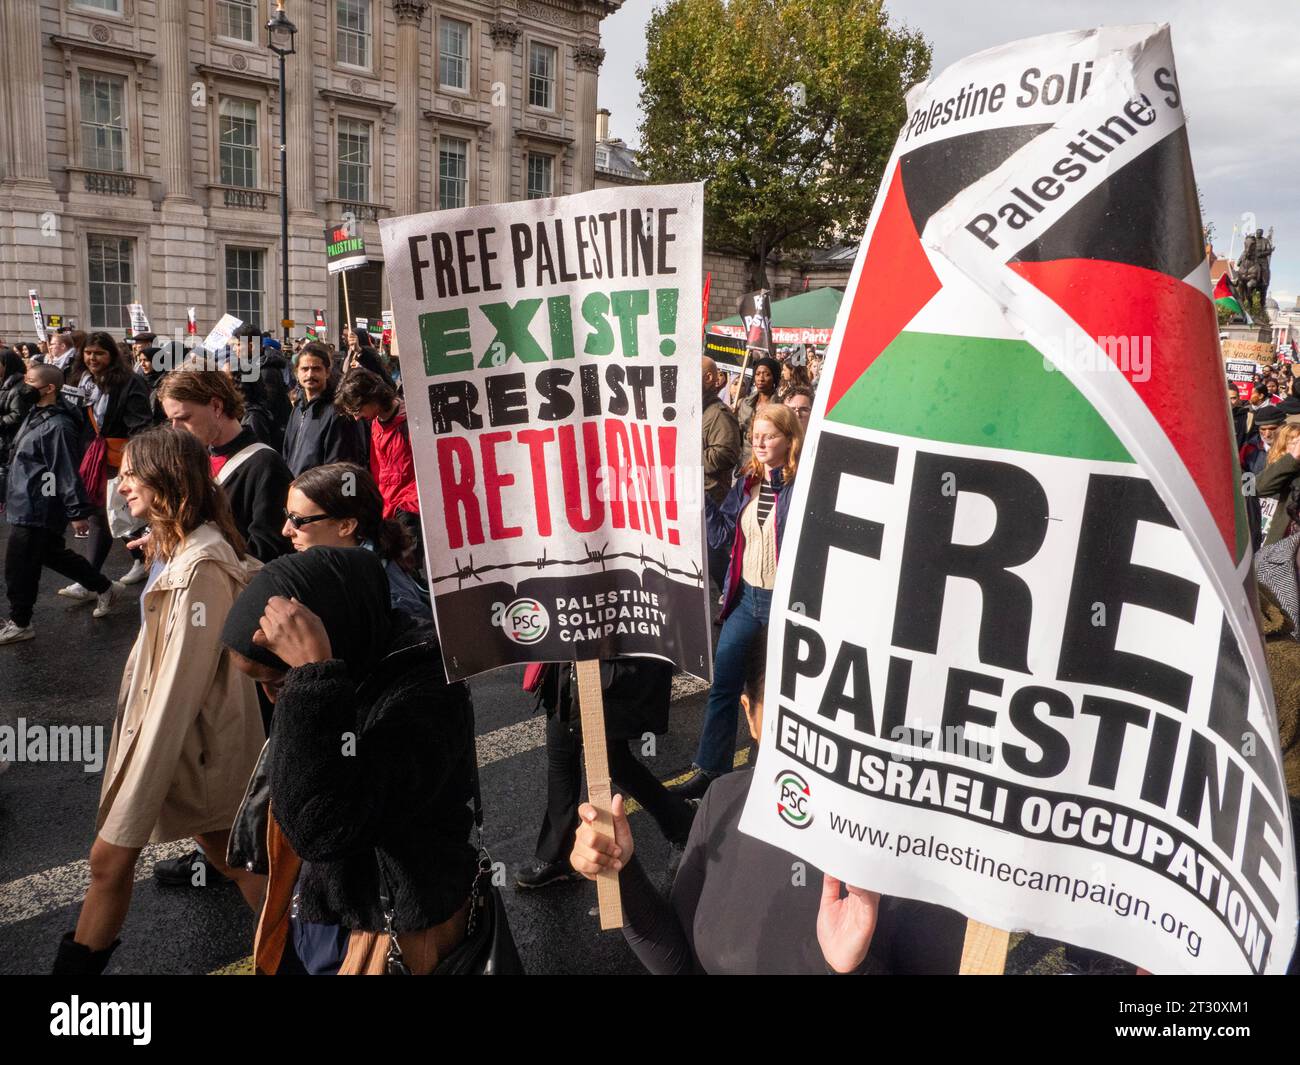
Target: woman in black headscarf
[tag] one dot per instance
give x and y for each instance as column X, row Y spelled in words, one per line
column 369, row 770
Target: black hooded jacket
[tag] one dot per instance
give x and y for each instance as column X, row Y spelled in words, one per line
column 371, row 755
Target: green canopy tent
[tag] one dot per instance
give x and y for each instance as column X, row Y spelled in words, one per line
column 808, row 318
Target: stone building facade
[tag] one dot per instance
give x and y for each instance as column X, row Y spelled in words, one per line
column 139, row 143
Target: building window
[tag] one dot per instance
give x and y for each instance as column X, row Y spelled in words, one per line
column 541, row 76
column 539, row 176
column 353, row 46
column 244, row 284
column 354, row 160
column 602, row 158
column 453, row 54
column 236, row 19
column 115, row 6
column 453, row 173
column 238, row 142
column 112, row 280
column 103, row 125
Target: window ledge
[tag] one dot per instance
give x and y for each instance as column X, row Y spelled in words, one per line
column 365, row 212
column 240, row 197
column 356, row 100
column 231, row 74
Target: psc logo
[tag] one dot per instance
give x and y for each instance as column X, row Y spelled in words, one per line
column 524, row 621
column 793, row 800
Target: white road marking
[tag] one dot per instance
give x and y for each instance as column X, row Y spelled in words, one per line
column 65, row 885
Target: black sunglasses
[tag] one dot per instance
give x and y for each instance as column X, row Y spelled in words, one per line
column 298, row 521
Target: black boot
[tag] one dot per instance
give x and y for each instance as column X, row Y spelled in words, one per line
column 74, row 959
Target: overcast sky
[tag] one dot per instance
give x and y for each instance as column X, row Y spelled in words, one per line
column 1238, row 67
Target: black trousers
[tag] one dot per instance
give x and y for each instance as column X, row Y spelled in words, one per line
column 32, row 548
column 101, row 541
column 564, row 791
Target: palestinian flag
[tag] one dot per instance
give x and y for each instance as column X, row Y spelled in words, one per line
column 1020, row 479
column 1223, row 297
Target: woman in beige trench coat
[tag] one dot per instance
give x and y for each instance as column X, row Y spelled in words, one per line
column 188, row 731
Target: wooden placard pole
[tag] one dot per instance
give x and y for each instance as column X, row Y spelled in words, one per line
column 984, row 953
column 740, row 385
column 591, row 705
column 347, row 304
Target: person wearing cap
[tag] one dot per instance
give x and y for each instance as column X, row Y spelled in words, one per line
column 1261, row 430
column 1279, row 478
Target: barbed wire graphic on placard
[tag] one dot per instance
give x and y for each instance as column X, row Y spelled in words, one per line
column 468, row 570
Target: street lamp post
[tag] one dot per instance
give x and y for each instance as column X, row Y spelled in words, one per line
column 280, row 34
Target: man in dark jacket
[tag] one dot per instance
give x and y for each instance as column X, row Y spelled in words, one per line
column 317, row 433
column 636, row 693
column 254, row 476
column 720, row 441
column 44, row 494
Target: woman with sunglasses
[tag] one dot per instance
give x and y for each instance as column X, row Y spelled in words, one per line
column 188, row 730
column 340, row 505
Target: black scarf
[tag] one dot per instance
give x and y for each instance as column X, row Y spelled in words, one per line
column 346, row 587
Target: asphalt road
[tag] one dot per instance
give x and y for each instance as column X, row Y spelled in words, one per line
column 69, row 675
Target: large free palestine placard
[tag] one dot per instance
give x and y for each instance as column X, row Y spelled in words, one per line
column 551, row 363
column 1013, row 661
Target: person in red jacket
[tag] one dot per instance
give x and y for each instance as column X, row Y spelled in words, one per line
column 364, row 394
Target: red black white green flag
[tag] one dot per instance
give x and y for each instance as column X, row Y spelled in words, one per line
column 1014, row 666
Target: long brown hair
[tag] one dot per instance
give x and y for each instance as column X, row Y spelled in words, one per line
column 1285, row 434
column 174, row 465
column 787, row 424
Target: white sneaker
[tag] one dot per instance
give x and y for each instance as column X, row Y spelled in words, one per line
column 105, row 602
column 77, row 592
column 138, row 572
column 13, row 633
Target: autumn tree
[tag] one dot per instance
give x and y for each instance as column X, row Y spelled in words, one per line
column 789, row 109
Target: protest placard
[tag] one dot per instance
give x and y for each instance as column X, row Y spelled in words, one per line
column 756, row 320
column 1241, row 372
column 553, row 392
column 1253, row 350
column 1013, row 664
column 38, row 316
column 139, row 320
column 219, row 339
column 728, row 352
column 345, row 248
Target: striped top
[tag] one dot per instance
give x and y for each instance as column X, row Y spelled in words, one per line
column 766, row 501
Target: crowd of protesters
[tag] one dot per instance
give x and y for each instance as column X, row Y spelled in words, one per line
column 275, row 492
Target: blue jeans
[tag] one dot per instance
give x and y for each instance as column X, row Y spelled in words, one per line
column 717, row 750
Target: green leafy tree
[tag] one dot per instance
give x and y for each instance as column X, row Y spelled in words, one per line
column 789, row 109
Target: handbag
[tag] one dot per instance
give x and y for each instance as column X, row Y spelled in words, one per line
column 489, row 947
column 120, row 523
column 94, row 471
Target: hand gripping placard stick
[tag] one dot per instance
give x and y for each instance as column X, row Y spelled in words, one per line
column 591, row 704
column 984, row 953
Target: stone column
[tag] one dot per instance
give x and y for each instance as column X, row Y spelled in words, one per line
column 410, row 17
column 22, row 59
column 174, row 99
column 505, row 35
column 300, row 90
column 587, row 58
